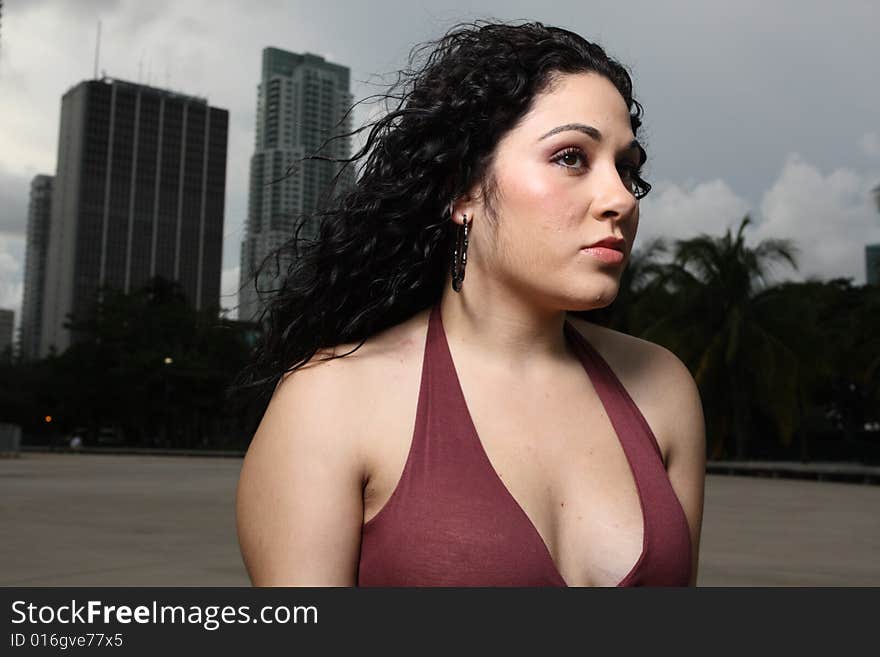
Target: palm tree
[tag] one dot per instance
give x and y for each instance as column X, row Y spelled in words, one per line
column 719, row 322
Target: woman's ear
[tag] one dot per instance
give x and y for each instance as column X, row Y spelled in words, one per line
column 465, row 204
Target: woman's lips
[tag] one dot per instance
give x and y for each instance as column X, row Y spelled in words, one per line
column 604, row 254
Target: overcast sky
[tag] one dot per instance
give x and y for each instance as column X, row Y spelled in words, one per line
column 767, row 108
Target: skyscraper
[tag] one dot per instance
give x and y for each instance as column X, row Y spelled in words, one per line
column 139, row 192
column 39, row 213
column 7, row 320
column 301, row 99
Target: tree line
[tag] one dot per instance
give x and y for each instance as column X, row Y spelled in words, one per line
column 785, row 370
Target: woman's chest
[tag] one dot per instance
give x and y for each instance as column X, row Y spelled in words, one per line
column 551, row 462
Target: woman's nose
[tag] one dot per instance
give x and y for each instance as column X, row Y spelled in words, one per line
column 614, row 198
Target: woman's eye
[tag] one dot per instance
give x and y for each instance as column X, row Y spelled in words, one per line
column 569, row 158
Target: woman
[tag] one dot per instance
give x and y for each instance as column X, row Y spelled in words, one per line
column 479, row 434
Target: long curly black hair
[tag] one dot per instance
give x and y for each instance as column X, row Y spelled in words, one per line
column 382, row 249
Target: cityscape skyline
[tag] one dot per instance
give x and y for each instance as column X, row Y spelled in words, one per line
column 788, row 175
column 112, row 171
column 138, row 192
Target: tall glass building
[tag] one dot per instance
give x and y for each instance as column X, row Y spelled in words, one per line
column 139, row 192
column 301, row 99
column 36, row 247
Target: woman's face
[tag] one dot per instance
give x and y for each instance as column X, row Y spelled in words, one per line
column 564, row 179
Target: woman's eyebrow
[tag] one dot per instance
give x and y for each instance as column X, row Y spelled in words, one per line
column 591, row 132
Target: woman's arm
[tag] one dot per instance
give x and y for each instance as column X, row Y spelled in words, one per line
column 299, row 504
column 686, row 460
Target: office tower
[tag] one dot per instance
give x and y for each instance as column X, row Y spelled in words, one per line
column 7, row 319
column 301, row 99
column 139, row 192
column 39, row 212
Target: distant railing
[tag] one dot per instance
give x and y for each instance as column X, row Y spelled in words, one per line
column 842, row 471
column 824, row 471
column 141, row 451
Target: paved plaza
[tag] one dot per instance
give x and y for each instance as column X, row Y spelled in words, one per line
column 101, row 520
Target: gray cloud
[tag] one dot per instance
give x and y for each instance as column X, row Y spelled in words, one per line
column 730, row 91
column 81, row 9
column 830, row 216
column 14, row 197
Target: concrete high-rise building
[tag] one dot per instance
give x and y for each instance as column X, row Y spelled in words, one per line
column 139, row 192
column 7, row 320
column 39, row 214
column 301, row 99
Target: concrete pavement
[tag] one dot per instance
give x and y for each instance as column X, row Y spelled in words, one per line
column 100, row 520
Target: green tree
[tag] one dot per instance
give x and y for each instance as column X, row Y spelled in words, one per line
column 149, row 363
column 718, row 320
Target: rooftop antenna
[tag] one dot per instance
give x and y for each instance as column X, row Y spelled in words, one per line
column 97, row 48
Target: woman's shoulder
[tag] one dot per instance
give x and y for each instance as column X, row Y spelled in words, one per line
column 378, row 353
column 656, row 379
column 352, row 375
column 628, row 353
column 325, row 408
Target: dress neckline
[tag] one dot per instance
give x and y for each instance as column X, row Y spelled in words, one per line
column 595, row 366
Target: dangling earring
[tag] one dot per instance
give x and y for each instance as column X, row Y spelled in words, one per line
column 459, row 255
